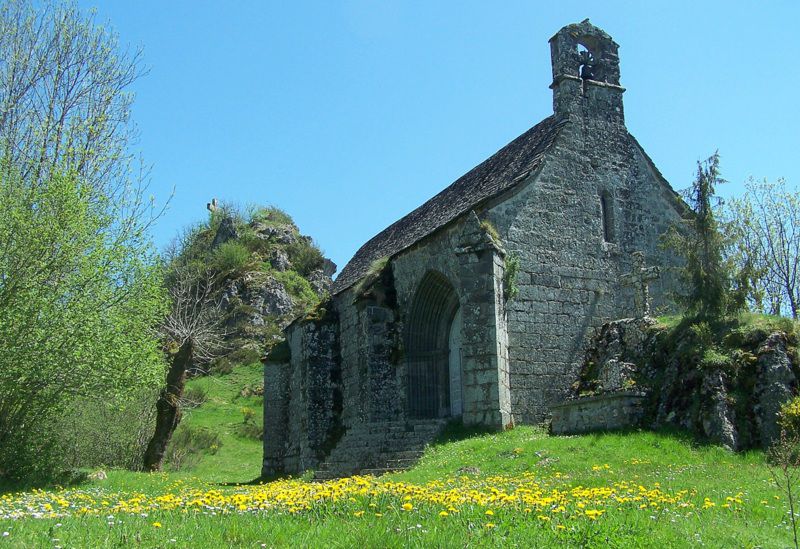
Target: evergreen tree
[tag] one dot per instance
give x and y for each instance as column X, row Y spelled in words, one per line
column 706, row 274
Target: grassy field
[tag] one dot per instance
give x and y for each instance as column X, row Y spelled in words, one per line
column 521, row 488
column 238, row 458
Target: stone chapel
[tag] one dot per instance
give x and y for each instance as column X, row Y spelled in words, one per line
column 478, row 305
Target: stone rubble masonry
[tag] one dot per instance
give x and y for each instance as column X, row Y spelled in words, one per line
column 520, row 357
column 605, row 412
column 302, row 398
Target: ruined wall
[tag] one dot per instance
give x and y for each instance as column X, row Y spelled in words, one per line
column 303, row 397
column 599, row 413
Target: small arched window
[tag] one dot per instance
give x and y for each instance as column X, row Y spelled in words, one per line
column 607, row 216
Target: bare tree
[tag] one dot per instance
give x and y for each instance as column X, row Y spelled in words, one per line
column 64, row 99
column 766, row 224
column 193, row 336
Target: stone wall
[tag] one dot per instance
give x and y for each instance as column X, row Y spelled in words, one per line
column 569, row 279
column 605, row 412
column 574, row 225
column 303, row 397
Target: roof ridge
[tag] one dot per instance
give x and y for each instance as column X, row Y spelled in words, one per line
column 491, row 177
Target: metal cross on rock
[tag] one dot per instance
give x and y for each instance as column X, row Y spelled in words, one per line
column 640, row 280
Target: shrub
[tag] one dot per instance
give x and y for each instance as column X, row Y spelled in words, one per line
column 305, row 257
column 99, row 433
column 80, row 293
column 491, row 230
column 248, row 415
column 194, row 397
column 510, row 287
column 231, row 257
column 789, row 417
column 375, row 272
column 714, row 360
column 244, row 356
column 221, row 366
column 297, row 287
column 189, row 444
column 701, row 334
column 250, row 430
column 270, row 215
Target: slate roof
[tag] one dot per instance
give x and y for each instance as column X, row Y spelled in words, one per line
column 507, row 167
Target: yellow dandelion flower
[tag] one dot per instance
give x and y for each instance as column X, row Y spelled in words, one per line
column 444, row 514
column 156, row 525
column 407, row 507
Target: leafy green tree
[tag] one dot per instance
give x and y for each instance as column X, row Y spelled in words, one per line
column 65, row 104
column 80, row 290
column 706, row 274
column 80, row 295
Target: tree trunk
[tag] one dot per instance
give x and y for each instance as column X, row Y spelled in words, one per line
column 168, row 411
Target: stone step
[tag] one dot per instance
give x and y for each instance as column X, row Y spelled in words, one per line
column 377, row 448
column 404, row 454
column 325, row 475
column 378, row 471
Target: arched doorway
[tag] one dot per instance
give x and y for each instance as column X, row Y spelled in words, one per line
column 433, row 350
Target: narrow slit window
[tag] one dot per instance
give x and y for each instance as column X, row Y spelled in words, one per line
column 607, row 216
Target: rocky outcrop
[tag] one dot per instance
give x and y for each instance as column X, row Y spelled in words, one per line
column 226, row 231
column 280, row 260
column 280, row 234
column 774, row 385
column 725, row 388
column 717, row 416
column 257, row 297
column 279, row 282
column 610, row 361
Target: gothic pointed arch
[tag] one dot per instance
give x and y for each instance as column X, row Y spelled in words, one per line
column 428, row 342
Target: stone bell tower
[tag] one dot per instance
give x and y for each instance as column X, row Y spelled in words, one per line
column 586, row 73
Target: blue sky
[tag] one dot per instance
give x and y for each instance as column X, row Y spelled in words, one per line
column 350, row 114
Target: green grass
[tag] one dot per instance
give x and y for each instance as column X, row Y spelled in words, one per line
column 672, row 460
column 238, row 458
column 464, row 459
